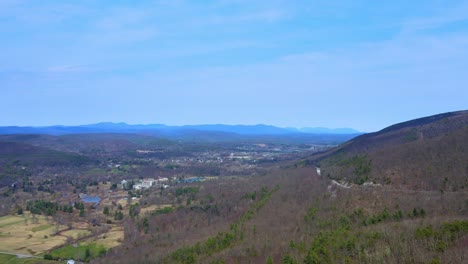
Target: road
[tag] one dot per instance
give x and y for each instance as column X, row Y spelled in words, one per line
column 19, row 255
column 341, row 185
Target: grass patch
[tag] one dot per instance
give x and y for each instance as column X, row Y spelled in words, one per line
column 41, row 228
column 164, row 210
column 117, row 171
column 83, row 252
column 187, row 190
column 76, row 233
column 111, row 239
column 4, row 234
column 10, row 220
column 7, row 258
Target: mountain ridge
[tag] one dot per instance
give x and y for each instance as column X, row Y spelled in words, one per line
column 110, row 127
column 424, row 153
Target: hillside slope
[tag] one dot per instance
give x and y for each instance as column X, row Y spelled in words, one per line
column 429, row 153
column 23, row 153
column 293, row 215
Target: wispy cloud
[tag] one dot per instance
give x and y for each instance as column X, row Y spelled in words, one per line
column 34, row 15
column 445, row 16
column 69, row 69
column 266, row 16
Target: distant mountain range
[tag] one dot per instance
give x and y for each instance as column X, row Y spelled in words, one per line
column 160, row 129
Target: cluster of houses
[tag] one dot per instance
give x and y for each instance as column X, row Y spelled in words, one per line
column 145, row 183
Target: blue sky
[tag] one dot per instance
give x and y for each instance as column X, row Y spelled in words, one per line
column 349, row 63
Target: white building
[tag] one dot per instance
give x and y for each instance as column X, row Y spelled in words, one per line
column 144, row 184
column 147, row 183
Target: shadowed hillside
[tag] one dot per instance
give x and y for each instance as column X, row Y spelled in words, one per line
column 427, row 153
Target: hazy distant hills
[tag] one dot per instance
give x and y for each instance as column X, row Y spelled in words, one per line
column 170, row 130
column 193, row 133
column 425, row 153
column 71, row 146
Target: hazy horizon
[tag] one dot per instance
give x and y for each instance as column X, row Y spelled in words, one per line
column 182, row 125
column 358, row 64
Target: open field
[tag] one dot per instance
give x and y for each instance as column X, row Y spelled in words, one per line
column 83, row 251
column 27, row 235
column 41, row 228
column 110, row 239
column 6, row 221
column 76, row 233
column 35, row 236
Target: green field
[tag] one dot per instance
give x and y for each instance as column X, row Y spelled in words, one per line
column 80, row 252
column 41, row 228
